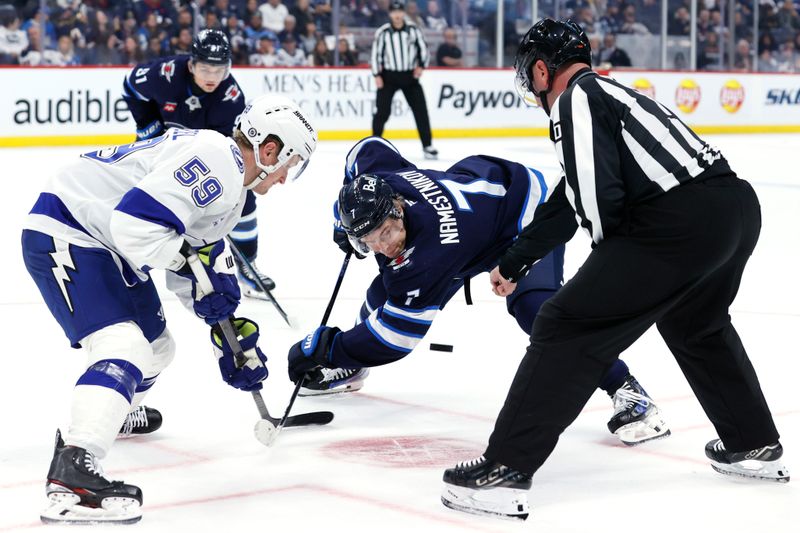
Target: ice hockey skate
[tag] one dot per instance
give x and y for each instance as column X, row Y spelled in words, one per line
column 430, row 152
column 486, row 487
column 334, row 381
column 79, row 494
column 762, row 463
column 247, row 275
column 140, row 421
column 636, row 418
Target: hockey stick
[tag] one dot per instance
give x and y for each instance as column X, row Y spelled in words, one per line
column 285, row 420
column 258, row 281
column 265, row 429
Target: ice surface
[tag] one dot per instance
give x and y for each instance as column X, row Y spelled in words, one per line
column 378, row 466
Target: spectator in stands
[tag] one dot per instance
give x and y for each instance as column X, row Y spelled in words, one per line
column 264, row 55
column 787, row 16
column 681, row 22
column 47, row 30
column 786, row 57
column 610, row 22
column 234, row 30
column 322, row 57
column 630, row 24
column 131, row 53
column 767, row 62
column 434, row 19
column 743, row 59
column 255, row 31
column 289, row 28
column 594, row 42
column 154, row 49
column 211, row 21
column 13, row 41
column 223, row 10
column 648, row 12
column 611, row 54
column 105, row 52
column 703, row 23
column 273, row 15
column 584, row 16
column 322, row 15
column 449, row 54
column 718, row 26
column 164, row 11
column 63, row 56
column 308, row 39
column 709, row 53
column 380, row 15
column 150, row 30
column 413, row 15
column 185, row 20
column 767, row 42
column 290, row 55
column 183, row 44
column 303, row 13
column 250, row 8
column 347, row 57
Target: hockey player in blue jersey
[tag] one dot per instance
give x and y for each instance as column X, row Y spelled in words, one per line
column 99, row 227
column 430, row 231
column 197, row 92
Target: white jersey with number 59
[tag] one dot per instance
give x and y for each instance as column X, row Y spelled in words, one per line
column 142, row 200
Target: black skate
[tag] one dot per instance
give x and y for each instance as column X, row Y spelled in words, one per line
column 140, row 421
column 80, row 494
column 761, row 463
column 430, row 152
column 636, row 418
column 486, row 487
column 334, row 381
column 247, row 275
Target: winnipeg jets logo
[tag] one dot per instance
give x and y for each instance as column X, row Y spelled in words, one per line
column 402, row 260
column 170, row 107
column 168, row 70
column 232, row 93
column 193, row 102
column 62, row 261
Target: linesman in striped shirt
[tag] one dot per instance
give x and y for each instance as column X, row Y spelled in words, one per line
column 672, row 229
column 399, row 55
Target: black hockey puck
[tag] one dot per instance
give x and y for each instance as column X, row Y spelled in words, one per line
column 441, row 347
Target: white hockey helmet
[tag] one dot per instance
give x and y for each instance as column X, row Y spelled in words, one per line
column 279, row 116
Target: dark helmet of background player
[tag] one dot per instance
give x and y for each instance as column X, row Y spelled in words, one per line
column 555, row 42
column 211, row 46
column 364, row 204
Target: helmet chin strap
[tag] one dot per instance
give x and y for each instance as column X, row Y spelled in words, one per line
column 544, row 92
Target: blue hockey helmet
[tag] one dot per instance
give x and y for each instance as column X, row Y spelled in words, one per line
column 364, row 204
column 211, row 46
column 557, row 43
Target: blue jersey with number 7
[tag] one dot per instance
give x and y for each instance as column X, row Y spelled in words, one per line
column 458, row 223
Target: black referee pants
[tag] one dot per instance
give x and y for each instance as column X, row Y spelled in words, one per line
column 676, row 261
column 412, row 90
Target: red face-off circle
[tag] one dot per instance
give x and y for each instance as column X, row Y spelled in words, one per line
column 403, row 452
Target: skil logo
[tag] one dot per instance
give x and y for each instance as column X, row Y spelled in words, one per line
column 687, row 96
column 731, row 96
column 304, row 121
column 170, row 107
column 168, row 70
column 232, row 93
column 783, row 97
column 644, row 86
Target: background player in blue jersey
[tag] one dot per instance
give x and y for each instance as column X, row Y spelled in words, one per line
column 197, row 92
column 430, row 231
column 99, row 227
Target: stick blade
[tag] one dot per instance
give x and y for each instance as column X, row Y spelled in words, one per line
column 315, row 418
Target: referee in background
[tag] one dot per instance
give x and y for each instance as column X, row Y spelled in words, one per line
column 399, row 53
column 672, row 229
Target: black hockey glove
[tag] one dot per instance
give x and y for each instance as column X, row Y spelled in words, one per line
column 311, row 352
column 343, row 242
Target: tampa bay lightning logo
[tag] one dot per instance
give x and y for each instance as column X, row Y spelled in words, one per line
column 237, row 156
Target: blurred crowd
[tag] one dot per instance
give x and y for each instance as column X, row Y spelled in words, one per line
column 299, row 32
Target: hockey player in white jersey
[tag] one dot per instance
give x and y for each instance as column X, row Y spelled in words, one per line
column 98, row 228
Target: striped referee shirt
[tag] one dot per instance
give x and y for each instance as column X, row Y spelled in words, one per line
column 617, row 148
column 398, row 50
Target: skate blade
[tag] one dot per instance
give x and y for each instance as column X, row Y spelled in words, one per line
column 64, row 509
column 766, row 472
column 508, row 504
column 350, row 387
column 256, row 294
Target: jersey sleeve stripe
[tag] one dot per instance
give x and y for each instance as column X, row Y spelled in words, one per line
column 141, row 205
column 420, row 315
column 406, row 318
column 400, row 345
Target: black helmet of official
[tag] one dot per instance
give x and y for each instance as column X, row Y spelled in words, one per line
column 364, row 204
column 211, row 46
column 397, row 5
column 557, row 43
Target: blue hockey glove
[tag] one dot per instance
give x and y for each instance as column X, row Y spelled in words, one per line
column 154, row 129
column 254, row 371
column 311, row 352
column 218, row 261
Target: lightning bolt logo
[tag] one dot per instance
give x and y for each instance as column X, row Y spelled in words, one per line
column 63, row 260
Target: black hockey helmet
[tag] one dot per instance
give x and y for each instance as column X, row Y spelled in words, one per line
column 211, row 46
column 556, row 42
column 364, row 204
column 397, row 5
